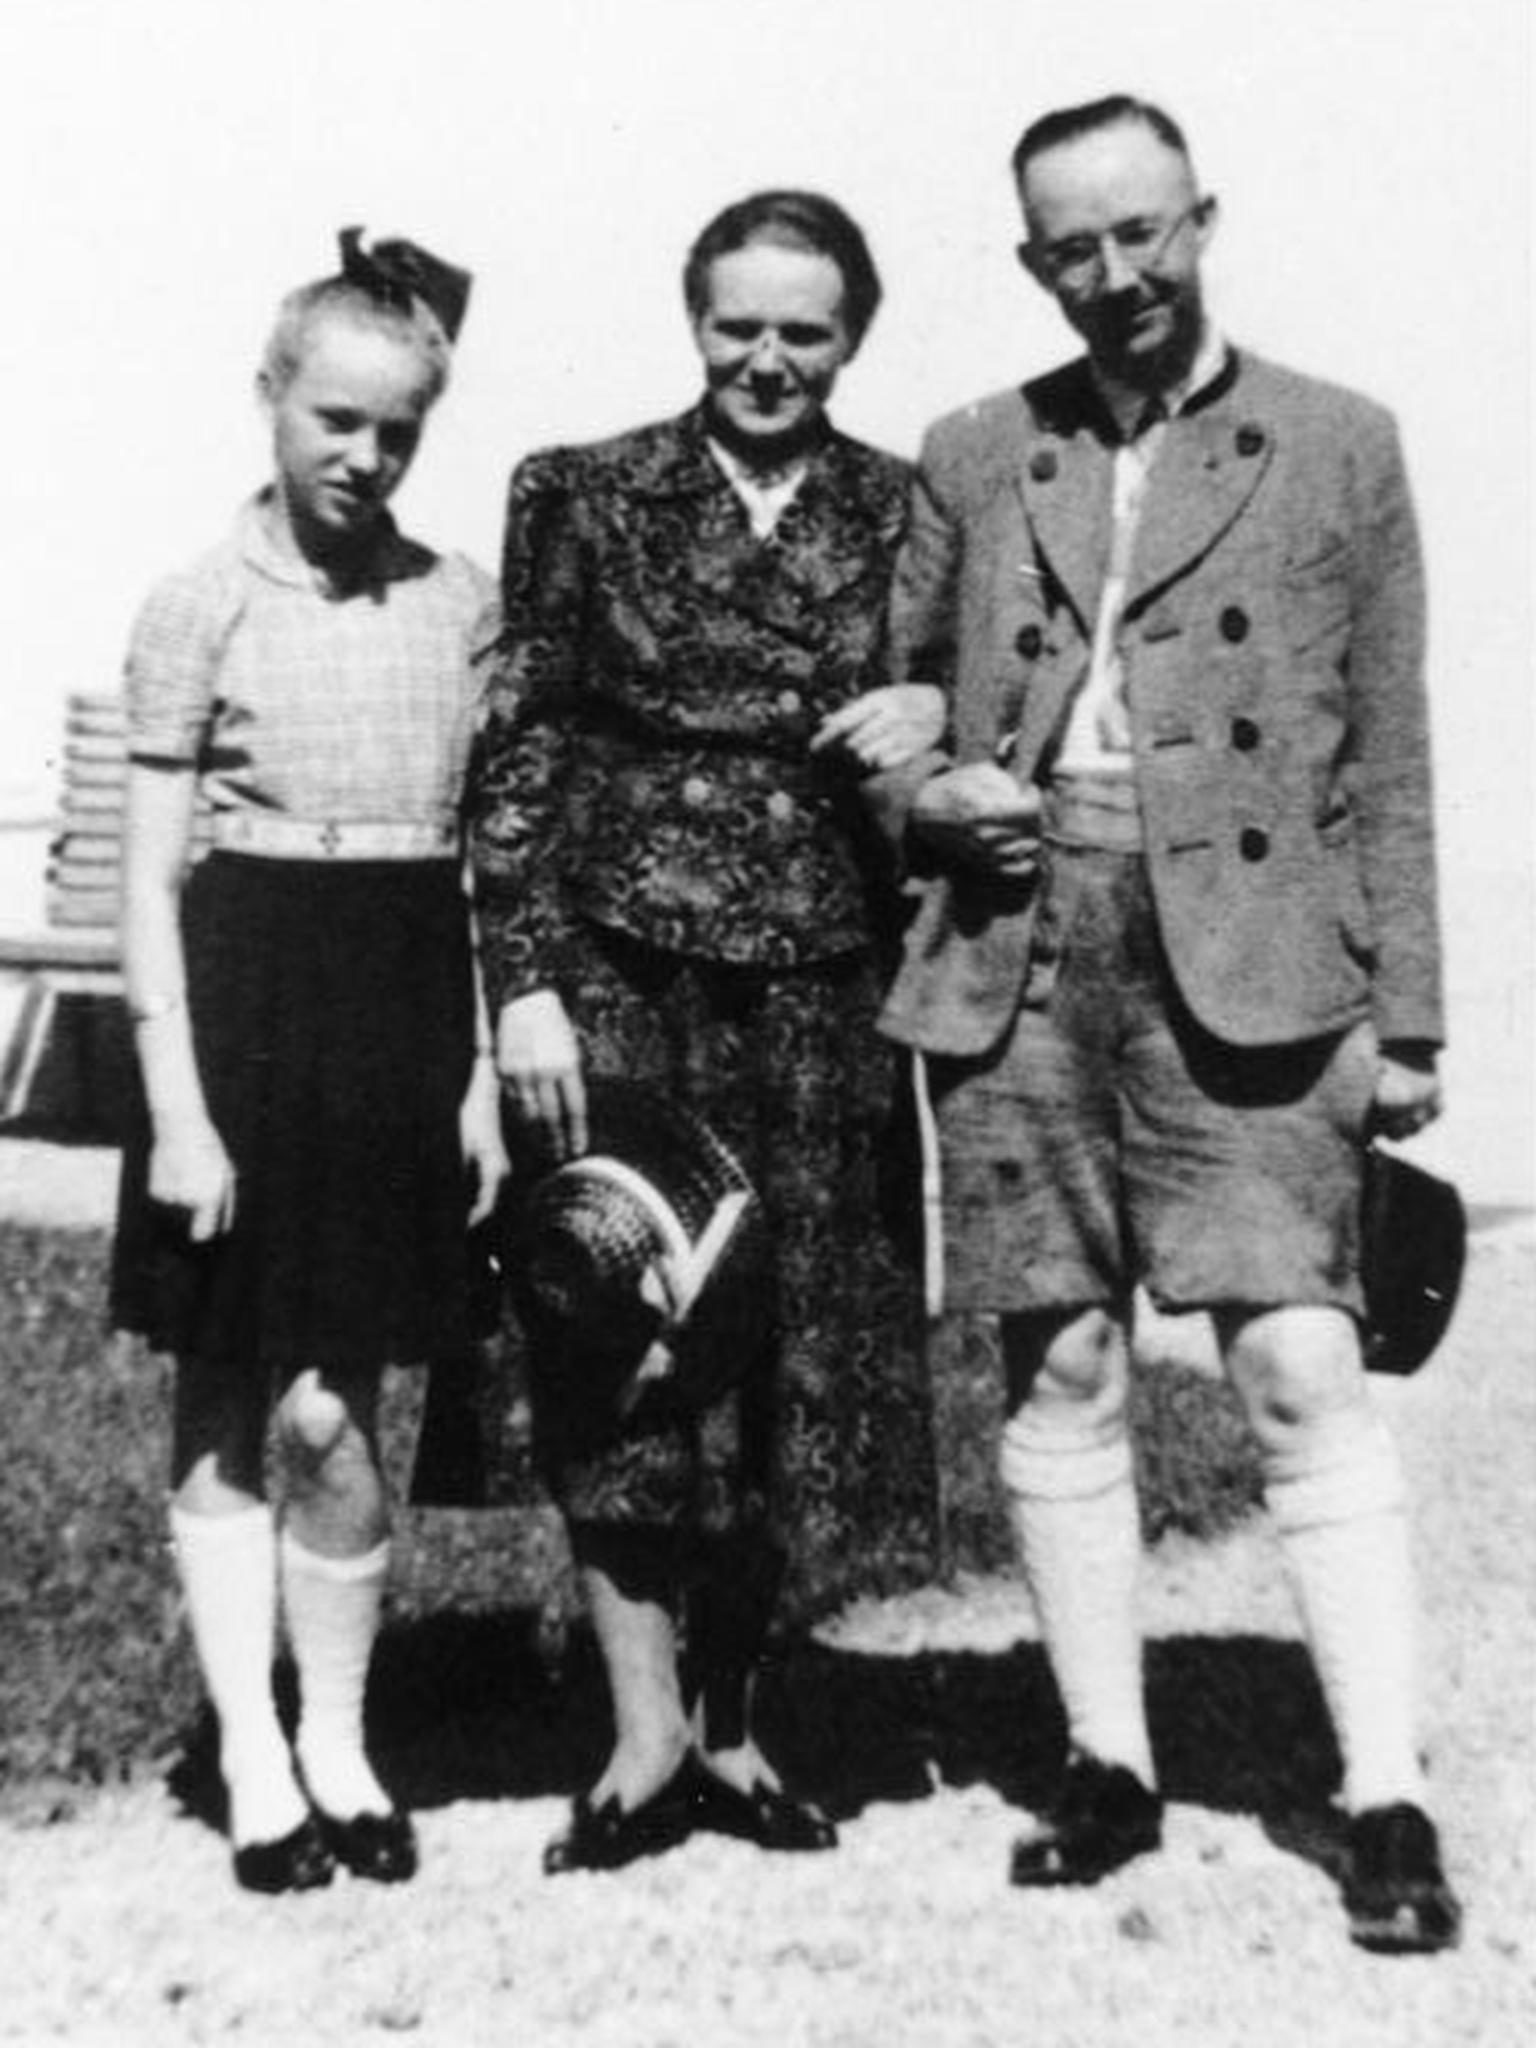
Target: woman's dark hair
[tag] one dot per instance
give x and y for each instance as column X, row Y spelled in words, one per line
column 1067, row 124
column 791, row 220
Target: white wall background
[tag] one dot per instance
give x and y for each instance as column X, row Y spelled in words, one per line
column 173, row 165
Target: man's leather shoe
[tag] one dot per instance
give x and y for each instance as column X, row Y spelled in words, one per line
column 296, row 1862
column 607, row 1837
column 1395, row 1891
column 378, row 1846
column 767, row 1815
column 1103, row 1817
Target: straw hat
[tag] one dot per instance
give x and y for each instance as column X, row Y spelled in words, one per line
column 642, row 1262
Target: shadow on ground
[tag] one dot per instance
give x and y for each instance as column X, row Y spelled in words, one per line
column 482, row 1707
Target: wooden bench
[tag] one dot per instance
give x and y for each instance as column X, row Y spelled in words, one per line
column 73, row 959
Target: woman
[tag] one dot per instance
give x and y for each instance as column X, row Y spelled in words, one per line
column 319, row 1126
column 678, row 887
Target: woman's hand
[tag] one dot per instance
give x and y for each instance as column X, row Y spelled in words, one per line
column 539, row 1062
column 480, row 1140
column 885, row 727
column 189, row 1169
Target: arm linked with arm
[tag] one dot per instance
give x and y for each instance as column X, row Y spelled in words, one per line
column 921, row 633
column 940, row 816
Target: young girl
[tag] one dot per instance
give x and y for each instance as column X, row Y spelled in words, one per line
column 322, row 1119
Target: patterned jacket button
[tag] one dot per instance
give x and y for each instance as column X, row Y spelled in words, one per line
column 1245, row 735
column 1252, row 843
column 1233, row 624
column 1042, row 465
column 781, row 806
column 696, row 790
column 1029, row 640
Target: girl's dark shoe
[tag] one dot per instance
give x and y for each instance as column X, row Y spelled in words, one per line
column 295, row 1862
column 607, row 1837
column 771, row 1818
column 378, row 1846
column 1395, row 1891
column 1103, row 1817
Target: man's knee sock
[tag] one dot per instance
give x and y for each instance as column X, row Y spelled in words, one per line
column 227, row 1565
column 1072, row 1496
column 1337, row 1502
column 332, row 1610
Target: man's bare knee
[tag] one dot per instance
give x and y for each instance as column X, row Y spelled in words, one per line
column 1293, row 1367
column 1080, row 1358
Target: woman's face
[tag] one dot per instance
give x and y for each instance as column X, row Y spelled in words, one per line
column 773, row 338
column 345, row 428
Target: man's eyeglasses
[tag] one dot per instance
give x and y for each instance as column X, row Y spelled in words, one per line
column 1079, row 263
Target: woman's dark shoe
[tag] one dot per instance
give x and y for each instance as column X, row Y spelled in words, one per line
column 1395, row 1891
column 607, row 1837
column 771, row 1818
column 1103, row 1817
column 296, row 1862
column 378, row 1846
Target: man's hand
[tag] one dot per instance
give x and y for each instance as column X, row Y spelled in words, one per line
column 1408, row 1093
column 539, row 1062
column 885, row 727
column 981, row 817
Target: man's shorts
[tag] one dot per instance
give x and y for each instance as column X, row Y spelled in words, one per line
column 1111, row 1140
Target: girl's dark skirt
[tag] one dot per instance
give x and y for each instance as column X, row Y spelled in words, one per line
column 332, row 1019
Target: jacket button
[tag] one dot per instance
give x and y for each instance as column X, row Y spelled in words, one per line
column 790, row 701
column 1252, row 844
column 781, row 806
column 1250, row 439
column 1233, row 624
column 1245, row 735
column 696, row 790
column 1029, row 641
column 1042, row 465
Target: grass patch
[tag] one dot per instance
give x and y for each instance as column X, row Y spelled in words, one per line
column 97, row 1681
column 93, row 1672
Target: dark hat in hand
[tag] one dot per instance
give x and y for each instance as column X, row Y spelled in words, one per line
column 640, row 1264
column 1413, row 1249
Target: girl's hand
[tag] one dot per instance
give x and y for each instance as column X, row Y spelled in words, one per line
column 480, row 1139
column 885, row 727
column 539, row 1061
column 189, row 1169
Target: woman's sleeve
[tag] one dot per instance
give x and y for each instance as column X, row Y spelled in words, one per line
column 517, row 770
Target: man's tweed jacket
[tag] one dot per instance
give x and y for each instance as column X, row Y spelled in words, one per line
column 1274, row 642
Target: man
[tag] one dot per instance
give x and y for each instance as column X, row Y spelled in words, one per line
column 1177, row 953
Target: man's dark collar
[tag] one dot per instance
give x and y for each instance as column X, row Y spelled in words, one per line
column 1128, row 407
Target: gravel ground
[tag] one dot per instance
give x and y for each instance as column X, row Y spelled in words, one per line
column 119, row 1923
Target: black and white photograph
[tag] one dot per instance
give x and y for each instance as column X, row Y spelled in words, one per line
column 767, row 1000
